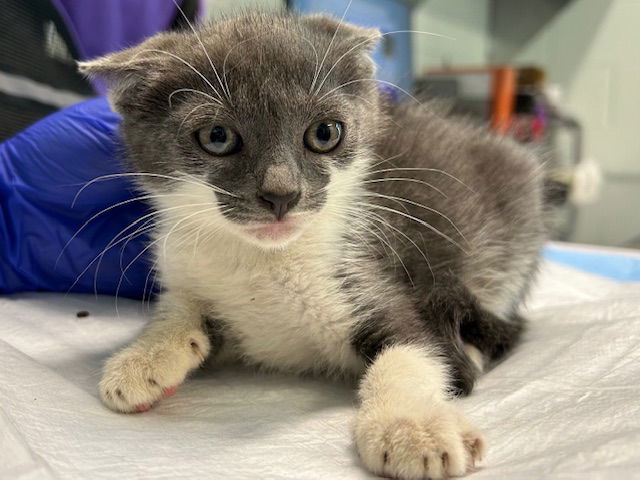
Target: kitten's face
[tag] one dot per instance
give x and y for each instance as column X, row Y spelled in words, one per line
column 283, row 122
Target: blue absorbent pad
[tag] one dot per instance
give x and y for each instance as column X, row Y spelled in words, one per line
column 617, row 266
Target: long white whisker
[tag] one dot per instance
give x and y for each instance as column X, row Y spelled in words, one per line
column 315, row 77
column 194, row 69
column 224, row 63
column 105, row 210
column 388, row 159
column 403, row 179
column 394, row 252
column 215, row 188
column 388, row 225
column 411, row 202
column 371, row 80
column 166, row 238
column 148, row 247
column 192, row 90
column 417, row 220
column 143, row 174
column 420, row 169
column 364, row 42
column 113, row 243
column 146, row 282
column 213, row 67
column 186, row 117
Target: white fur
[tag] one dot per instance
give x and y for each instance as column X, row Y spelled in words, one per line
column 157, row 361
column 283, row 307
column 406, row 428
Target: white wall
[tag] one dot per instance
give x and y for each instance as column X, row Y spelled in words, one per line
column 467, row 21
column 591, row 49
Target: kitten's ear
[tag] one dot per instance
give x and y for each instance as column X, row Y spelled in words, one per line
column 131, row 73
column 366, row 38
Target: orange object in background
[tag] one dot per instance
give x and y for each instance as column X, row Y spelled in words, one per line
column 504, row 94
column 488, row 92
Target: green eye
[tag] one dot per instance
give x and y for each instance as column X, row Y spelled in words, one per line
column 323, row 136
column 219, row 140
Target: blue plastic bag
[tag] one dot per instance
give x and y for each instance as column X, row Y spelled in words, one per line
column 46, row 239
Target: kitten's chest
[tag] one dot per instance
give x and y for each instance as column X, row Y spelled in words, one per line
column 288, row 313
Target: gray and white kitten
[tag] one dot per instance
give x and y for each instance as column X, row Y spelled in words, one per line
column 303, row 224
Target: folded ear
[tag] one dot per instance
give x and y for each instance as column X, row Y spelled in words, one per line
column 364, row 38
column 132, row 73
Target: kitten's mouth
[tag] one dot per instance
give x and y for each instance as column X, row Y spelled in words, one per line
column 275, row 231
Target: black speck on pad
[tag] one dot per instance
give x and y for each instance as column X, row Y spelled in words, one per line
column 82, row 314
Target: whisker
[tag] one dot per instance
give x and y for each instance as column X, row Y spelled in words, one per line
column 194, row 69
column 317, row 74
column 112, row 176
column 364, row 42
column 420, row 205
column 192, row 90
column 105, row 210
column 146, row 281
column 215, row 188
column 213, row 67
column 101, row 254
column 394, row 252
column 191, row 112
column 388, row 225
column 384, row 82
column 148, row 247
column 224, row 63
column 417, row 220
column 420, row 169
column 388, row 159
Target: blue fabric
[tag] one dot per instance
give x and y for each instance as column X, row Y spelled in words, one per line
column 41, row 171
column 619, row 267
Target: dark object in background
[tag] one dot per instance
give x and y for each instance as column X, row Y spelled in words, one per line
column 516, row 106
column 82, row 314
column 40, row 41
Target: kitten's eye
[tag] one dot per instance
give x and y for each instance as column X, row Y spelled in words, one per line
column 324, row 136
column 219, row 140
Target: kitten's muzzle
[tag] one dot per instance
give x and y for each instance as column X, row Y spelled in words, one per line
column 279, row 204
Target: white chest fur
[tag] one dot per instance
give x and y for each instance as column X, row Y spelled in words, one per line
column 282, row 309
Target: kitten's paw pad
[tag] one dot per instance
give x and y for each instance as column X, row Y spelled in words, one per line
column 142, row 374
column 435, row 445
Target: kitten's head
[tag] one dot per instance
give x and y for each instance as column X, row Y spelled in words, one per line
column 258, row 122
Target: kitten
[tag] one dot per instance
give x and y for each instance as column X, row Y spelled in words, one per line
column 306, row 225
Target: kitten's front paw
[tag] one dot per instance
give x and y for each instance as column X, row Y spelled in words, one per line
column 143, row 373
column 437, row 443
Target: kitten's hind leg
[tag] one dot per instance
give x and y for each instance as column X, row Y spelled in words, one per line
column 490, row 334
column 470, row 335
column 174, row 343
column 406, row 427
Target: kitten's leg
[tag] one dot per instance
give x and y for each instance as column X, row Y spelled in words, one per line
column 174, row 343
column 490, row 334
column 406, row 427
column 471, row 335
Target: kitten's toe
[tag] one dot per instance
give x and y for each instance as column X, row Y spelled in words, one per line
column 437, row 443
column 140, row 375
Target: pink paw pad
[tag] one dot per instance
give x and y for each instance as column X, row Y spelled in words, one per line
column 142, row 407
column 167, row 392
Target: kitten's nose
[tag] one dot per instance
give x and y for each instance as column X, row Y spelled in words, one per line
column 279, row 204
